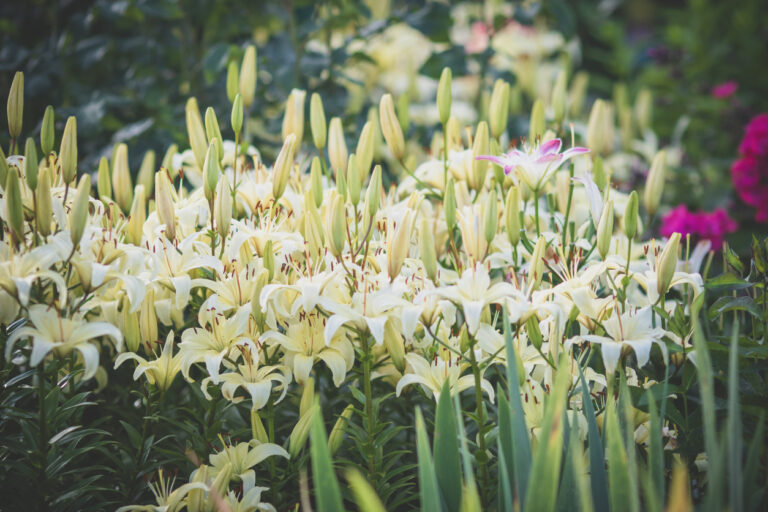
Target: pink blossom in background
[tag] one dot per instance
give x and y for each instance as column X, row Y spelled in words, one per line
column 712, row 226
column 478, row 38
column 724, row 90
column 750, row 172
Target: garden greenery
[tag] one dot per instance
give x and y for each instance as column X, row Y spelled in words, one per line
column 221, row 332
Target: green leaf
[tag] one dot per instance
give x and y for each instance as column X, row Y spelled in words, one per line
column 629, row 435
column 618, row 466
column 504, row 481
column 655, row 455
column 545, row 470
column 327, row 492
column 568, row 494
column 365, row 497
column 446, row 451
column 599, row 479
column 735, row 443
column 428, row 490
column 726, row 304
column 727, row 281
column 751, row 466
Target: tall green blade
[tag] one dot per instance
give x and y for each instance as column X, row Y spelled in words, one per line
column 750, row 468
column 428, row 490
column 505, row 492
column 655, row 456
column 599, row 480
column 629, row 435
column 618, row 466
column 327, row 492
column 446, row 451
column 365, row 496
column 735, row 443
column 567, row 496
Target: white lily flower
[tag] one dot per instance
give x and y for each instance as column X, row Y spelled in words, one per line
column 433, row 375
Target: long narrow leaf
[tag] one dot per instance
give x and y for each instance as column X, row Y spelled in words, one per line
column 567, row 495
column 365, row 496
column 629, row 435
column 327, row 492
column 655, row 455
column 446, row 451
column 750, row 468
column 599, row 479
column 735, row 442
column 428, row 490
column 618, row 470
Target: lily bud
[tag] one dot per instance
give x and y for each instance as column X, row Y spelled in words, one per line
column 222, row 208
column 538, row 123
column 78, row 215
column 317, row 121
column 211, row 171
column 316, row 181
column 598, row 173
column 398, row 245
column 313, row 231
column 300, row 432
column 364, row 151
column 121, row 179
column 394, row 345
column 164, row 205
column 625, row 126
column 403, row 112
column 354, row 184
column 3, row 167
column 212, row 132
column 498, row 110
column 248, row 76
column 262, row 278
column 444, row 96
column 233, row 81
column 533, row 331
column 341, row 182
column 536, row 267
column 558, row 97
column 449, row 203
column 138, row 216
column 654, row 185
column 337, row 146
column 15, row 108
column 427, row 251
column 600, row 128
column 30, row 163
column 562, row 190
column 148, row 319
column 196, row 132
column 293, row 119
column 491, row 220
column 268, row 260
column 453, row 134
column 236, row 117
column 480, row 146
column 103, row 180
column 307, row 396
column 131, row 331
column 515, row 99
column 644, row 110
column 257, row 432
column 340, row 429
column 68, row 151
column 283, row 165
column 630, row 216
column 44, row 210
column 167, row 162
column 147, row 172
column 605, row 230
column 336, row 225
column 47, row 133
column 512, row 215
column 373, row 193
column 667, row 264
column 14, row 209
column 390, row 128
column 578, row 94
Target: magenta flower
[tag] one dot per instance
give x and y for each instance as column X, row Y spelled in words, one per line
column 724, row 90
column 750, row 172
column 535, row 165
column 712, row 226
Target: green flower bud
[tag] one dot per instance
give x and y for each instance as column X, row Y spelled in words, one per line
column 281, row 171
column 3, row 167
column 15, row 108
column 293, row 120
column 68, row 151
column 248, row 76
column 148, row 319
column 480, row 147
column 300, row 432
column 233, row 81
column 336, row 225
column 164, row 205
column 644, row 110
column 578, row 94
column 354, row 184
column 257, row 432
column 103, row 180
column 398, row 244
column 453, row 134
column 78, row 215
column 316, row 181
column 654, row 185
column 491, row 221
column 364, row 151
column 605, row 230
column 394, row 345
column 317, row 121
column 444, row 96
column 196, row 132
column 390, row 127
column 630, row 216
column 512, row 215
column 498, row 110
column 373, row 193
column 268, row 260
column 262, row 278
column 533, row 331
column 337, row 146
column 600, row 128
column 213, row 132
column 138, row 216
column 667, row 264
column 625, row 125
column 537, row 267
column 340, row 429
column 211, row 171
column 146, row 176
column 598, row 173
column 515, row 99
column 47, row 133
column 307, row 396
column 167, row 162
column 236, row 117
column 538, row 123
column 403, row 112
column 449, row 204
column 44, row 209
column 30, row 163
column 121, row 179
column 14, row 210
column 222, row 209
column 130, row 329
column 341, row 182
column 559, row 97
column 427, row 252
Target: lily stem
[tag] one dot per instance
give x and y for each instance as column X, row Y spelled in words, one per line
column 481, row 455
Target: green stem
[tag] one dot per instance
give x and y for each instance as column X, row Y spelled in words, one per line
column 481, row 455
column 369, row 418
column 536, row 209
column 43, row 436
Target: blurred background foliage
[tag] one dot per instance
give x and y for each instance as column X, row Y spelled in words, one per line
column 125, row 68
